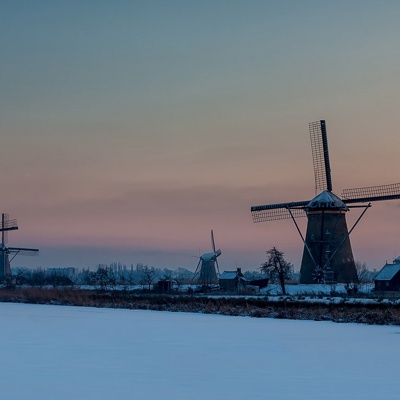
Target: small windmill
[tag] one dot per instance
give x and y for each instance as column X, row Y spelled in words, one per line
column 207, row 270
column 5, row 252
column 327, row 254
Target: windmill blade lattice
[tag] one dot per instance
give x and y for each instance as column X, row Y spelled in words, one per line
column 273, row 212
column 8, row 224
column 23, row 251
column 320, row 156
column 371, row 193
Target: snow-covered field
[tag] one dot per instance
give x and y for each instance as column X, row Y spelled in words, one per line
column 274, row 289
column 55, row 352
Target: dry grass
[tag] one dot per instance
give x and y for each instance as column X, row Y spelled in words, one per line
column 388, row 314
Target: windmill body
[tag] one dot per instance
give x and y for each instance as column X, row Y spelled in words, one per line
column 7, row 252
column 327, row 254
column 326, row 229
column 5, row 269
column 207, row 270
column 208, row 274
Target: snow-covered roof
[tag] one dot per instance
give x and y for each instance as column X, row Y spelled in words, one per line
column 228, row 275
column 208, row 257
column 233, row 275
column 387, row 272
column 328, row 200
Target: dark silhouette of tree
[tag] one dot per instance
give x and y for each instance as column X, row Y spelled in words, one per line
column 57, row 279
column 362, row 272
column 362, row 278
column 277, row 267
column 147, row 275
column 87, row 277
column 38, row 277
column 104, row 277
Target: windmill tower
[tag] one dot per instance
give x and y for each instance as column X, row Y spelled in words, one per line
column 207, row 270
column 5, row 252
column 327, row 254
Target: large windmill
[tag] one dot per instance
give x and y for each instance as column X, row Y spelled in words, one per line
column 5, row 252
column 327, row 255
column 207, row 270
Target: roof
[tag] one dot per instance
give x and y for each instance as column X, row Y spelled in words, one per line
column 228, row 275
column 327, row 200
column 231, row 275
column 208, row 257
column 387, row 272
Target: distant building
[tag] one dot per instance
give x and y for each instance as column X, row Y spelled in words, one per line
column 232, row 281
column 165, row 286
column 388, row 278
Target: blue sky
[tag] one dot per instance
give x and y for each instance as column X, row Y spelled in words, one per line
column 130, row 129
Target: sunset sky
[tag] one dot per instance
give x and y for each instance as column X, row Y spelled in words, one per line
column 130, row 129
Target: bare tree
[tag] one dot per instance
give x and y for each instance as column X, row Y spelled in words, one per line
column 102, row 277
column 38, row 277
column 362, row 275
column 351, row 286
column 147, row 275
column 87, row 277
column 22, row 277
column 58, row 278
column 131, row 278
column 362, row 272
column 277, row 267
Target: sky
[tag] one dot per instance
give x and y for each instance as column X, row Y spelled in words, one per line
column 130, row 129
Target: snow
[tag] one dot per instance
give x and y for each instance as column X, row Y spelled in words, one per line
column 228, row 275
column 327, row 200
column 57, row 353
column 317, row 288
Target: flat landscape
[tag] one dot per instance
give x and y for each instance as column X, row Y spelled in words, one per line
column 63, row 352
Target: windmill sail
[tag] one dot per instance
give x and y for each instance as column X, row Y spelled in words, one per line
column 207, row 270
column 216, row 252
column 371, row 193
column 320, row 156
column 272, row 212
column 8, row 224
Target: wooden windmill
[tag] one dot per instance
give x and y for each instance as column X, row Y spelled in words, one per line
column 327, row 254
column 7, row 254
column 207, row 270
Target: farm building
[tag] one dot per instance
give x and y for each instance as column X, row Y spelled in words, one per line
column 388, row 278
column 166, row 286
column 232, row 281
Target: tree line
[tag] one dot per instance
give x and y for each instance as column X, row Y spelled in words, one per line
column 105, row 276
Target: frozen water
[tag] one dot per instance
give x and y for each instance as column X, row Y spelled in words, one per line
column 58, row 352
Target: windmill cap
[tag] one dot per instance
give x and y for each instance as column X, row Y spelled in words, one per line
column 327, row 200
column 209, row 256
